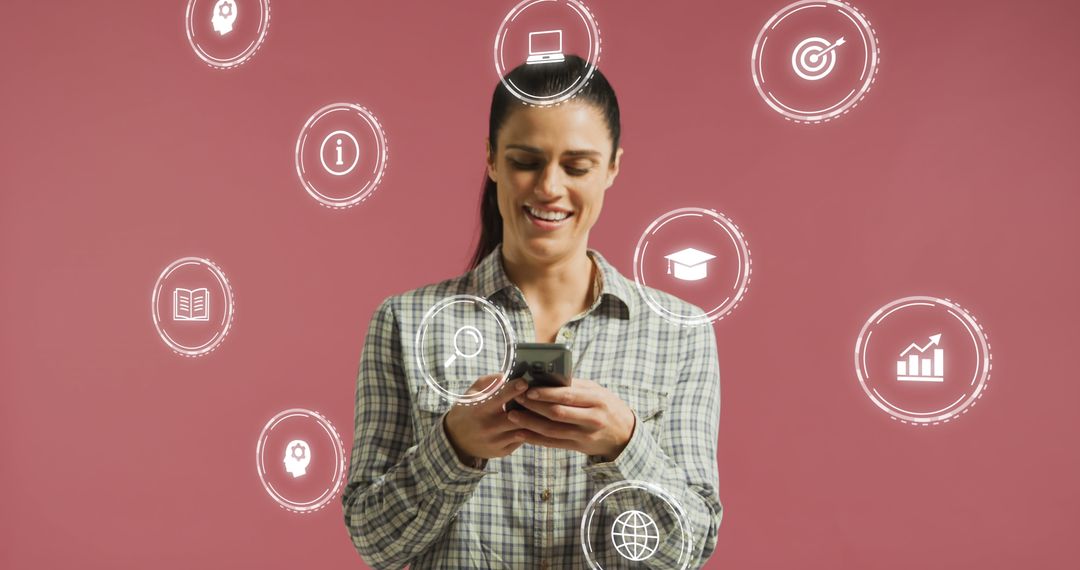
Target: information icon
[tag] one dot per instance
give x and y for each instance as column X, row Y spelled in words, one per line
column 226, row 33
column 192, row 306
column 699, row 256
column 341, row 155
column 814, row 60
column 343, row 150
column 923, row 360
column 300, row 460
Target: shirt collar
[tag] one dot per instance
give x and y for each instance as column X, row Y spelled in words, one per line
column 489, row 278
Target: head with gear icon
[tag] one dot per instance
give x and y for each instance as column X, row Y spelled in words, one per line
column 297, row 457
column 224, row 16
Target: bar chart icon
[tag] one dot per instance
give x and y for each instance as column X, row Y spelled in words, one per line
column 915, row 365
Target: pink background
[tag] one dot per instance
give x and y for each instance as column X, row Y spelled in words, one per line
column 956, row 177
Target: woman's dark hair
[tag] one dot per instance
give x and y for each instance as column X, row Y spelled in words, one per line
column 539, row 81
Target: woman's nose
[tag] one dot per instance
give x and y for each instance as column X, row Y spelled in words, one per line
column 550, row 181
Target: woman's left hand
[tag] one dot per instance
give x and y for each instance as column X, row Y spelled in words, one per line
column 583, row 417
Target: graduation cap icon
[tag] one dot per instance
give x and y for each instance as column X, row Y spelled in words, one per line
column 688, row 264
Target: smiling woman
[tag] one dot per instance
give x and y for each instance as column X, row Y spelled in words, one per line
column 434, row 485
column 529, row 146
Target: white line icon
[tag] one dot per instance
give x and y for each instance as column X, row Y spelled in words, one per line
column 546, row 22
column 433, row 342
column 339, row 155
column 218, row 37
column 689, row 264
column 545, row 47
column 729, row 250
column 635, row 535
column 297, row 457
column 224, row 16
column 337, row 139
column 182, row 304
column 814, row 58
column 892, row 356
column 191, row 304
column 470, row 332
column 810, row 37
column 918, row 368
column 319, row 486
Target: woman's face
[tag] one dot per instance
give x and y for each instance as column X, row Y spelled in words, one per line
column 552, row 167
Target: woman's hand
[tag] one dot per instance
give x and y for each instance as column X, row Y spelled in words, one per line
column 482, row 431
column 583, row 417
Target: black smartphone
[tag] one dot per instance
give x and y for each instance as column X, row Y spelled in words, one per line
column 541, row 364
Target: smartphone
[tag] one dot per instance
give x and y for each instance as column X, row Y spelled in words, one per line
column 541, row 364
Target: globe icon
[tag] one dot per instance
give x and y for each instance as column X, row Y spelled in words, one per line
column 635, row 535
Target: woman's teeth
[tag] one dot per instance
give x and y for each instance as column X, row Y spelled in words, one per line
column 547, row 215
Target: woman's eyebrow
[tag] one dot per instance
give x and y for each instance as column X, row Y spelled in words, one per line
column 525, row 148
column 583, row 153
column 570, row 153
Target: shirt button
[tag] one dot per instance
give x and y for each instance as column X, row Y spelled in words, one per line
column 568, row 334
column 546, row 495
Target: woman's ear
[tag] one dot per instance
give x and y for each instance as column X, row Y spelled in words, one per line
column 613, row 166
column 490, row 160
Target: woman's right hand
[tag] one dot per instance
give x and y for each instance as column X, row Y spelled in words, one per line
column 482, row 431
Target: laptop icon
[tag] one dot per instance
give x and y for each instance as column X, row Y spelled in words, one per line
column 545, row 47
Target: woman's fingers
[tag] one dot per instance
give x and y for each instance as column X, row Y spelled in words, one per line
column 579, row 396
column 512, row 389
column 515, row 436
column 543, row 426
column 482, row 383
column 588, row 418
column 545, row 441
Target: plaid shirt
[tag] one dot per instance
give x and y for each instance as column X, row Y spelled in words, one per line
column 409, row 499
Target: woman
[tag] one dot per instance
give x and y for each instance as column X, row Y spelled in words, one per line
column 440, row 486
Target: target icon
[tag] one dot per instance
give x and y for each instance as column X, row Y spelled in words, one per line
column 813, row 58
column 832, row 50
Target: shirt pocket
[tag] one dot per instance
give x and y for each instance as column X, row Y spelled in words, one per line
column 428, row 408
column 650, row 405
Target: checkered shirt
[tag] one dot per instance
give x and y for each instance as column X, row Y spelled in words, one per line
column 410, row 501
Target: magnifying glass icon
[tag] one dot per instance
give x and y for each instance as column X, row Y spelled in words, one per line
column 469, row 332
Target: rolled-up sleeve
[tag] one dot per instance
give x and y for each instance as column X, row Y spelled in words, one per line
column 404, row 488
column 684, row 458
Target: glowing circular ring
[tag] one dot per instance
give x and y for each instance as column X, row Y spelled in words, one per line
column 592, row 58
column 686, row 528
column 338, row 475
column 508, row 360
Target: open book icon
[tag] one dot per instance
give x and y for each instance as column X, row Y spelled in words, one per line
column 191, row 304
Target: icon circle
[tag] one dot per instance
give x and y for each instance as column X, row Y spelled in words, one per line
column 630, row 520
column 715, row 280
column 452, row 353
column 814, row 60
column 226, row 33
column 356, row 144
column 923, row 360
column 301, row 473
column 526, row 36
column 175, row 301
